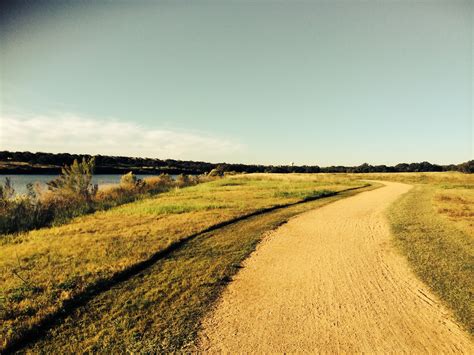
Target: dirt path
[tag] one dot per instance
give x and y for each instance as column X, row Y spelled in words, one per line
column 330, row 281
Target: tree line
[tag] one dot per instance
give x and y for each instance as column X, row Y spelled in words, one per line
column 52, row 163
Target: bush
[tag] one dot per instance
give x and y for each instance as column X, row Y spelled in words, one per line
column 183, row 180
column 72, row 194
column 157, row 184
column 217, row 171
column 76, row 180
column 129, row 180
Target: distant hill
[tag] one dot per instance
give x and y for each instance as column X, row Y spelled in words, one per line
column 49, row 163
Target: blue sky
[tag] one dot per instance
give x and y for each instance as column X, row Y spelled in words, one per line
column 272, row 82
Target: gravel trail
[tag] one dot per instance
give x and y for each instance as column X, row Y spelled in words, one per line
column 330, row 280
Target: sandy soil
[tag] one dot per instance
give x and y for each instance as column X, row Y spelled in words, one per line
column 330, row 280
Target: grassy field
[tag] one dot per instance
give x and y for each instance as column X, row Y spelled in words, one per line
column 434, row 227
column 158, row 307
column 42, row 271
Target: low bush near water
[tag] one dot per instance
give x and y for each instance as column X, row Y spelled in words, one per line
column 72, row 194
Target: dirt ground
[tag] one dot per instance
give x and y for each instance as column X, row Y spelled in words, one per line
column 330, row 280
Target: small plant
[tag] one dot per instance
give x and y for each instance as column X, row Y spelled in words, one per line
column 6, row 190
column 183, row 180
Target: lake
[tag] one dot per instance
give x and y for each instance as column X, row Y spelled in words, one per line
column 20, row 181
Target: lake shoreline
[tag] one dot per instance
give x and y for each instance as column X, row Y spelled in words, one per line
column 99, row 170
column 20, row 181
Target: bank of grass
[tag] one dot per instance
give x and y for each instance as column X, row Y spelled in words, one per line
column 159, row 310
column 42, row 270
column 44, row 207
column 433, row 226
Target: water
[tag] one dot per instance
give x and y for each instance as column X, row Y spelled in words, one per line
column 20, row 181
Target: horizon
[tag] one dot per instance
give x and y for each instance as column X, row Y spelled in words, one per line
column 266, row 83
column 237, row 163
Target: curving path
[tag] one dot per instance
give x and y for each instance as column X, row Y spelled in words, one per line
column 330, row 281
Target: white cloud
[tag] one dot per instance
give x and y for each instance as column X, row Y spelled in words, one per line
column 74, row 134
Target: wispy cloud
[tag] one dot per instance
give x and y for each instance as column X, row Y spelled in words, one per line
column 76, row 134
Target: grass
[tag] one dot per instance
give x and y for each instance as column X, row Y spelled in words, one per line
column 74, row 196
column 434, row 227
column 159, row 310
column 456, row 204
column 42, row 270
column 446, row 179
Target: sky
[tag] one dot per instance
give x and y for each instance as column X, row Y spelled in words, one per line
column 262, row 81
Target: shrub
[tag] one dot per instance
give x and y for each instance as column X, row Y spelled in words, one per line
column 183, row 180
column 157, row 184
column 217, row 171
column 129, row 180
column 76, row 180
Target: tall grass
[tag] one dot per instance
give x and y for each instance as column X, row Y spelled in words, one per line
column 72, row 194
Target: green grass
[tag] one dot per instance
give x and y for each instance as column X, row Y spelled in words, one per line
column 159, row 310
column 42, row 270
column 303, row 195
column 175, row 207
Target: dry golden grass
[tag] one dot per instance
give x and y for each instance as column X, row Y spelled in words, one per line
column 452, row 194
column 431, row 178
column 457, row 205
column 42, row 269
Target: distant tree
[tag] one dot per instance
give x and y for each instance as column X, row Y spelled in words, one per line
column 467, row 167
column 402, row 168
column 364, row 168
column 450, row 167
column 121, row 164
